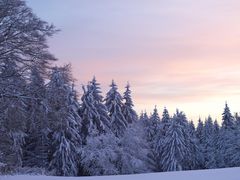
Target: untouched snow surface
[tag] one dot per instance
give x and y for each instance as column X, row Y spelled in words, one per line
column 216, row 174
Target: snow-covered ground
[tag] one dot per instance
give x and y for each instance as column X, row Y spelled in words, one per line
column 216, row 174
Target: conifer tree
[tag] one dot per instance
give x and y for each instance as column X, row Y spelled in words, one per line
column 237, row 120
column 165, row 123
column 200, row 131
column 175, row 148
column 92, row 124
column 65, row 124
column 99, row 104
column 141, row 118
column 217, row 145
column 229, row 139
column 161, row 135
column 200, row 143
column 209, row 153
column 144, row 119
column 114, row 105
column 188, row 163
column 128, row 111
column 195, row 155
column 227, row 119
column 153, row 127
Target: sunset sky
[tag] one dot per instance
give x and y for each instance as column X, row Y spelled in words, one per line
column 179, row 54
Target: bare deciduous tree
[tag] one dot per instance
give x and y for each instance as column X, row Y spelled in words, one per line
column 23, row 37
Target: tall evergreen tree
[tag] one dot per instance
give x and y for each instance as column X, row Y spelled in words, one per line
column 227, row 119
column 92, row 124
column 175, row 148
column 114, row 105
column 128, row 111
column 99, row 104
column 229, row 139
column 200, row 143
column 144, row 119
column 237, row 120
column 161, row 135
column 153, row 127
column 65, row 124
column 165, row 123
column 188, row 162
column 195, row 155
column 200, row 131
column 217, row 145
column 209, row 154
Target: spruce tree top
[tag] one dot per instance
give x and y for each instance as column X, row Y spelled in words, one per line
column 127, row 96
column 113, row 98
column 128, row 111
column 96, row 92
column 155, row 115
column 180, row 118
column 165, row 116
column 228, row 120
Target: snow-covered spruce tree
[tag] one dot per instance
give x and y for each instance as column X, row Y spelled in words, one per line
column 165, row 122
column 91, row 124
column 99, row 104
column 65, row 124
column 237, row 120
column 200, row 131
column 233, row 152
column 209, row 153
column 161, row 135
column 227, row 119
column 13, row 114
column 217, row 145
column 144, row 119
column 144, row 124
column 181, row 119
column 141, row 117
column 195, row 155
column 153, row 127
column 128, row 111
column 200, row 143
column 37, row 143
column 192, row 129
column 94, row 113
column 175, row 148
column 114, row 105
column 229, row 143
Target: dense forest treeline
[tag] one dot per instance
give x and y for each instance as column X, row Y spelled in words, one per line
column 45, row 127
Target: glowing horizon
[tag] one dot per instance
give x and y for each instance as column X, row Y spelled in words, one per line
column 174, row 54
